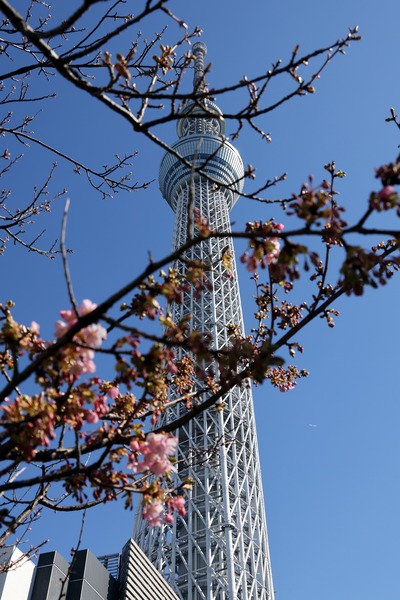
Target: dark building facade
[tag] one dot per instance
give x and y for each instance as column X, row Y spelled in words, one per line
column 84, row 579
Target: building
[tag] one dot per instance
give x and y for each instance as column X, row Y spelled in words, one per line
column 219, row 549
column 86, row 578
column 126, row 576
column 16, row 571
column 139, row 580
column 53, row 578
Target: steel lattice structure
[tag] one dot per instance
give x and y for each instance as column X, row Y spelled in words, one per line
column 219, row 550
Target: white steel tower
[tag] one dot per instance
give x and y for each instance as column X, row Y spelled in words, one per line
column 219, row 549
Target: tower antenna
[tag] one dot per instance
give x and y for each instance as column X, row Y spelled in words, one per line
column 199, row 51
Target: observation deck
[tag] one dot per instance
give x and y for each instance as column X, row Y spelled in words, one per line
column 221, row 162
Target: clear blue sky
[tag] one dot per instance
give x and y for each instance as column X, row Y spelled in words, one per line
column 330, row 449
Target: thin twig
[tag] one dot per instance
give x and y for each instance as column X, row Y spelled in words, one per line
column 64, row 252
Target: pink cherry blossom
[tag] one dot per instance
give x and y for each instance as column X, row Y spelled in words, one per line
column 177, row 503
column 113, row 392
column 100, row 406
column 83, row 364
column 35, row 327
column 91, row 416
column 135, row 445
column 86, row 307
column 161, row 443
column 273, row 253
column 286, row 386
column 156, row 450
column 80, row 359
column 70, row 316
column 60, row 328
column 152, row 513
column 93, row 335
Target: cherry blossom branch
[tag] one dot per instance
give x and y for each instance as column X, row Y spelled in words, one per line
column 103, row 176
column 63, row 249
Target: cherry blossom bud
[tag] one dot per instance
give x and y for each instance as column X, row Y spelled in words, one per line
column 35, row 327
column 113, row 392
column 386, row 192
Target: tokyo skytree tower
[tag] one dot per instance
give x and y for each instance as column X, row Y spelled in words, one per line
column 219, row 549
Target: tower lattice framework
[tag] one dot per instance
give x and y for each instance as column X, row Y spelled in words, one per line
column 219, row 549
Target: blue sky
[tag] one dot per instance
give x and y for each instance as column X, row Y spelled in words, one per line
column 330, row 449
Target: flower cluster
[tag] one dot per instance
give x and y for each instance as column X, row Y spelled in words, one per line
column 154, row 514
column 78, row 357
column 389, row 174
column 386, row 199
column 30, row 422
column 264, row 246
column 287, row 315
column 285, row 379
column 362, row 268
column 155, row 451
column 317, row 207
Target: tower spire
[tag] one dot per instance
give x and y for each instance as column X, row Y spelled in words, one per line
column 200, row 116
column 199, row 52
